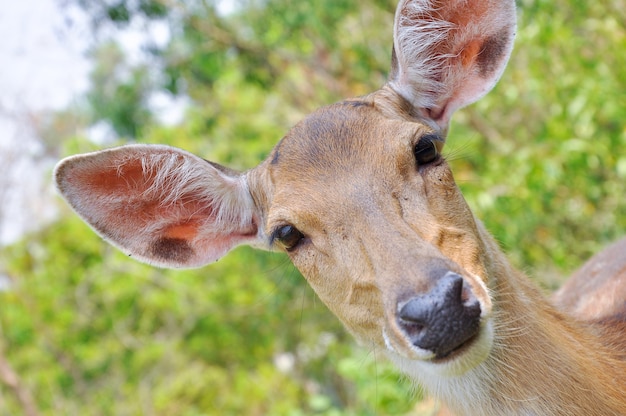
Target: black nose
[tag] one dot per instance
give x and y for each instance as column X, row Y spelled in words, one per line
column 442, row 319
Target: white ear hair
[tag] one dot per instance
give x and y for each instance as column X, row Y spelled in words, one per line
column 159, row 204
column 449, row 54
column 174, row 177
column 416, row 65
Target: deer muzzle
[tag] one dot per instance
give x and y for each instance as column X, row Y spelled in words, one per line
column 443, row 319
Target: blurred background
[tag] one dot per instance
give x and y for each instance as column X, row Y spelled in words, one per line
column 86, row 331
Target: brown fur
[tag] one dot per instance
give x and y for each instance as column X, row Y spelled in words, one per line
column 359, row 168
column 597, row 291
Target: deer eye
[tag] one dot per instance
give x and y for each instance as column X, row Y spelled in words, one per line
column 425, row 150
column 288, row 236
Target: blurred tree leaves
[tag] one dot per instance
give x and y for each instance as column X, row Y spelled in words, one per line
column 547, row 180
column 298, row 51
column 97, row 333
column 119, row 93
column 540, row 160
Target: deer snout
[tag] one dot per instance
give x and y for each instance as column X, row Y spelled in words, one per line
column 443, row 319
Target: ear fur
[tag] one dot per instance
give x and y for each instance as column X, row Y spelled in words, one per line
column 162, row 205
column 448, row 54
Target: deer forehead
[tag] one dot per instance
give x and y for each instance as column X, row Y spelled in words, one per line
column 343, row 155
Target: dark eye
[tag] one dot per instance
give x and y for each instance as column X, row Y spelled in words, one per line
column 288, row 236
column 425, row 150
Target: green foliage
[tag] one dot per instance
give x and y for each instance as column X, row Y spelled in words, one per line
column 547, row 175
column 540, row 160
column 119, row 92
column 96, row 333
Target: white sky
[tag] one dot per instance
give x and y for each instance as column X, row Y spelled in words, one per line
column 42, row 66
column 41, row 56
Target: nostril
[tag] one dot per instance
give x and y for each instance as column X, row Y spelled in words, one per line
column 442, row 319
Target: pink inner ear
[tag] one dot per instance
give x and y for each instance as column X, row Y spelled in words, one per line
column 186, row 232
column 119, row 178
column 470, row 52
column 159, row 204
column 449, row 54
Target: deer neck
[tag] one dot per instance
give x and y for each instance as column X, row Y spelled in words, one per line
column 541, row 362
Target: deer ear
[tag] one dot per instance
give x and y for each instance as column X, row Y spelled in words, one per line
column 159, row 204
column 449, row 54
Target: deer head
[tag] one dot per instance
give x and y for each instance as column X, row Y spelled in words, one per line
column 357, row 194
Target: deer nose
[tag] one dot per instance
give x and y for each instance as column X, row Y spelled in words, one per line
column 442, row 319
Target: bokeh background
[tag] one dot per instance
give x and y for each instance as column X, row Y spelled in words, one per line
column 86, row 331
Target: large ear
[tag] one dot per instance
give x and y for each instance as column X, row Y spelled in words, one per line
column 159, row 204
column 449, row 53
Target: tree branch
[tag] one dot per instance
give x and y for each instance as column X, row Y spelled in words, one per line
column 9, row 377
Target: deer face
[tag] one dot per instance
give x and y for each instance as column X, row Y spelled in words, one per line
column 367, row 209
column 357, row 194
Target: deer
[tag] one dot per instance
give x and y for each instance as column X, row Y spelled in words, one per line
column 360, row 198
